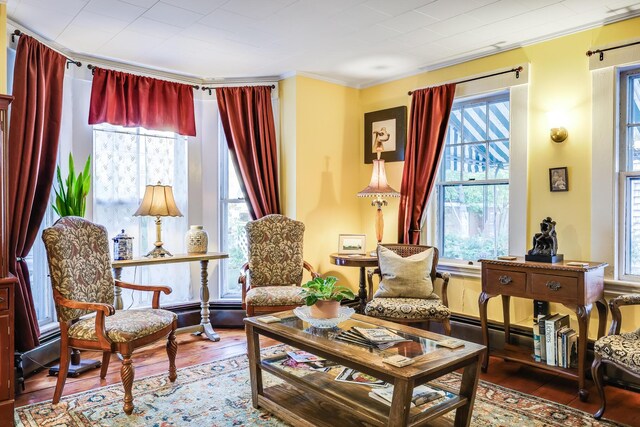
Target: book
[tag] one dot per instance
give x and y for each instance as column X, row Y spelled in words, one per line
column 543, row 341
column 572, row 346
column 450, row 343
column 268, row 319
column 348, row 375
column 536, row 341
column 378, row 335
column 561, row 346
column 578, row 264
column 398, row 360
column 421, row 395
column 553, row 325
column 302, row 356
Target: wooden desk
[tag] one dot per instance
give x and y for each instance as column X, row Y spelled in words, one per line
column 205, row 325
column 362, row 261
column 576, row 288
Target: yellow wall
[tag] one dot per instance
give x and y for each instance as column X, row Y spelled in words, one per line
column 559, row 80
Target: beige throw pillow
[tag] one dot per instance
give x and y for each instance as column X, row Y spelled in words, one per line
column 404, row 277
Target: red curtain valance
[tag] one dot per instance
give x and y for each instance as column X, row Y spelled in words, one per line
column 128, row 100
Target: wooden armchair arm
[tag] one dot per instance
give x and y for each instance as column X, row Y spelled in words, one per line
column 102, row 310
column 616, row 315
column 445, row 284
column 156, row 289
column 308, row 267
column 370, row 274
column 242, row 280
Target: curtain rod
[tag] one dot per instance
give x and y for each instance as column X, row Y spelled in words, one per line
column 93, row 68
column 602, row 51
column 211, row 88
column 18, row 33
column 513, row 70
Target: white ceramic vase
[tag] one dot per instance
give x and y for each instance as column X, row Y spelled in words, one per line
column 196, row 240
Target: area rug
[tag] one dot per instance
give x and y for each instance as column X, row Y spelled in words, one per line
column 218, row 394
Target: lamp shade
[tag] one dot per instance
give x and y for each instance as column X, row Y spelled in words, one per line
column 158, row 201
column 378, row 185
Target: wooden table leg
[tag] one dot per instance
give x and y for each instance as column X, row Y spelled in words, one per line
column 583, row 313
column 400, row 403
column 507, row 318
column 117, row 291
column 468, row 387
column 255, row 373
column 601, row 305
column 205, row 322
column 362, row 293
column 482, row 305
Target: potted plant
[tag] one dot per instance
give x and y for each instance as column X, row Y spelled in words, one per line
column 71, row 194
column 323, row 296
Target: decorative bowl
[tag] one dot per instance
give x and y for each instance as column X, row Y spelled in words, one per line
column 304, row 314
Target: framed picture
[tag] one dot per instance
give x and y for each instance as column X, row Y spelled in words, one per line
column 387, row 129
column 558, row 179
column 352, row 244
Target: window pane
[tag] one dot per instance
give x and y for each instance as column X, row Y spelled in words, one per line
column 454, row 130
column 633, row 230
column 237, row 217
column 452, row 163
column 499, row 120
column 475, row 162
column 499, row 160
column 475, row 123
column 634, row 99
column 475, row 221
column 235, row 191
column 633, row 142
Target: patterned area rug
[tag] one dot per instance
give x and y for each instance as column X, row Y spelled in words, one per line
column 218, row 394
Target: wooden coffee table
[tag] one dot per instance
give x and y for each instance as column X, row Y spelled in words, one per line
column 316, row 399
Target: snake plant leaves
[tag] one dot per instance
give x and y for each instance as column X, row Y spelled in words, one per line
column 71, row 194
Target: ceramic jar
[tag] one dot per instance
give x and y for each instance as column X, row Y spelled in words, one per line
column 122, row 247
column 196, row 240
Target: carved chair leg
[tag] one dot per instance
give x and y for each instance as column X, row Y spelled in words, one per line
column 172, row 349
column 62, row 373
column 447, row 327
column 250, row 310
column 127, row 374
column 106, row 357
column 596, row 373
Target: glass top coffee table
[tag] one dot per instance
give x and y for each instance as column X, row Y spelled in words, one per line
column 315, row 398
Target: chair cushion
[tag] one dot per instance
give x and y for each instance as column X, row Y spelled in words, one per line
column 401, row 277
column 274, row 295
column 624, row 349
column 124, row 325
column 407, row 308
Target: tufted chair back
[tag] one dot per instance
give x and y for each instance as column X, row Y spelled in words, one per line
column 79, row 263
column 275, row 251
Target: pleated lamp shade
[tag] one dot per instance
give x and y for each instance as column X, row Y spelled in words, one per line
column 378, row 187
column 158, row 200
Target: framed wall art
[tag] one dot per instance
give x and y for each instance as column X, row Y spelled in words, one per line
column 352, row 244
column 388, row 129
column 558, row 179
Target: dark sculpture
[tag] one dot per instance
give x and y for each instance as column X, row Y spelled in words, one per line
column 545, row 243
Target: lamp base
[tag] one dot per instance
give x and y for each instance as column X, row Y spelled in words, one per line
column 158, row 252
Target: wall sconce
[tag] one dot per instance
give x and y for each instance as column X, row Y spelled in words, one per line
column 558, row 132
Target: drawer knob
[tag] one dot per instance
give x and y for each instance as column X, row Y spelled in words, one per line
column 554, row 286
column 505, row 280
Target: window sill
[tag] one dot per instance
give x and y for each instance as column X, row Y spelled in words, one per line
column 460, row 268
column 620, row 287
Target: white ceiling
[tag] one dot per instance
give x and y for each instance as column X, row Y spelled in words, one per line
column 356, row 42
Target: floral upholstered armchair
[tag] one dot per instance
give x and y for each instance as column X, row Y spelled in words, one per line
column 406, row 293
column 619, row 350
column 271, row 278
column 80, row 269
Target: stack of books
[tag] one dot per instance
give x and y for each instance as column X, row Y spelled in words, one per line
column 558, row 342
column 421, row 395
column 379, row 338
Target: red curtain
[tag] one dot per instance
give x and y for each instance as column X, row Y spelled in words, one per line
column 33, row 148
column 247, row 119
column 430, row 109
column 129, row 100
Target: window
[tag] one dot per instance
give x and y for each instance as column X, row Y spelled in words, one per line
column 473, row 180
column 630, row 173
column 234, row 217
column 125, row 160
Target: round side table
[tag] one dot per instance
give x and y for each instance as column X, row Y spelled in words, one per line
column 362, row 261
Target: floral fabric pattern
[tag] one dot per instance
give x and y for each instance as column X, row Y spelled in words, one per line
column 407, row 308
column 628, row 299
column 624, row 349
column 274, row 295
column 275, row 251
column 79, row 263
column 124, row 325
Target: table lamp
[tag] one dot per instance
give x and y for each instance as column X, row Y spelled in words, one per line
column 378, row 188
column 158, row 201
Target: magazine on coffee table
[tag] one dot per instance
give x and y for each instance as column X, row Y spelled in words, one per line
column 421, row 395
column 303, row 356
column 379, row 335
column 348, row 375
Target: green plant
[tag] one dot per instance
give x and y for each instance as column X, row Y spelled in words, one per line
column 324, row 288
column 71, row 195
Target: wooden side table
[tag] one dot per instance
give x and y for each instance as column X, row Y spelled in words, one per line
column 205, row 325
column 361, row 261
column 576, row 287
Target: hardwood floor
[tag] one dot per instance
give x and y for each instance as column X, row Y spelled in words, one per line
column 622, row 405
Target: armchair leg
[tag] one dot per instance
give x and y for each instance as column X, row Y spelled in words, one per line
column 172, row 349
column 596, row 373
column 64, row 369
column 447, row 327
column 106, row 357
column 127, row 374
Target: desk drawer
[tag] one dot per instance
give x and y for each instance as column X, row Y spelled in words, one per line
column 555, row 288
column 4, row 299
column 505, row 282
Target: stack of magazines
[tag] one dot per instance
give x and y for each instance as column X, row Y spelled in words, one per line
column 421, row 395
column 379, row 338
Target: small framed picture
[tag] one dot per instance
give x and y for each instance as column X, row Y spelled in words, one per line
column 387, row 130
column 352, row 244
column 558, row 179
